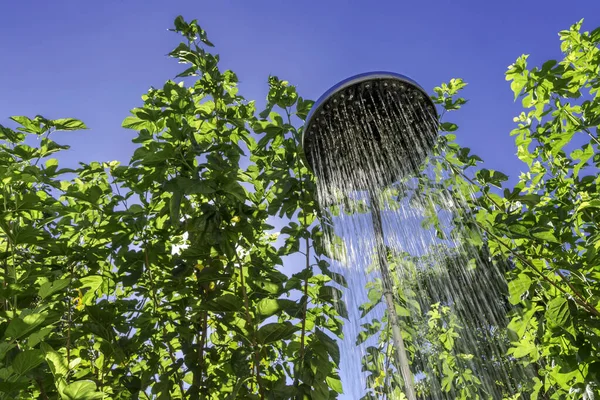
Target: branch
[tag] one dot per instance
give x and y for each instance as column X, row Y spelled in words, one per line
column 43, row 394
column 250, row 327
column 305, row 305
column 578, row 297
column 69, row 318
column 387, row 361
column 201, row 345
column 164, row 329
column 307, row 254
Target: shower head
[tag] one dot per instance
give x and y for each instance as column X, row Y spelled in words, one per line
column 369, row 130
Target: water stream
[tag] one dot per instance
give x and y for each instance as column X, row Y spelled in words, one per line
column 374, row 164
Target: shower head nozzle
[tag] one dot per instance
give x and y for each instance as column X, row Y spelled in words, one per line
column 378, row 121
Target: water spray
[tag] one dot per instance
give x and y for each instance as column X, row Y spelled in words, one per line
column 354, row 142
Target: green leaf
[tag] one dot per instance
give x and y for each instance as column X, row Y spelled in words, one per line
column 189, row 186
column 523, row 349
column 210, row 274
column 137, row 124
column 337, row 278
column 331, row 345
column 583, row 155
column 519, row 231
column 37, row 337
column 589, row 204
column 520, row 323
column 226, row 303
column 10, row 135
column 330, row 294
column 5, row 347
column 27, row 360
column 58, row 364
column 335, row 384
column 448, row 127
column 267, row 307
column 51, row 164
column 68, row 124
column 19, row 327
column 82, row 390
column 303, row 108
column 557, row 312
column 49, row 288
column 518, row 287
column 93, row 282
column 548, row 236
column 491, row 177
column 320, row 392
column 174, row 206
column 28, row 125
column 237, row 190
column 236, row 389
column 275, row 332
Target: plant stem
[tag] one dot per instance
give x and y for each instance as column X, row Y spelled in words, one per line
column 387, row 360
column 201, row 346
column 250, row 327
column 579, row 299
column 69, row 317
column 43, row 394
column 307, row 243
column 163, row 328
column 305, row 305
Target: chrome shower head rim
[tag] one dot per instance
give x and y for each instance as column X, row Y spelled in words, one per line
column 356, row 79
column 355, row 102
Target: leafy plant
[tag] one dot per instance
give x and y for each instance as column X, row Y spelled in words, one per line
column 166, row 278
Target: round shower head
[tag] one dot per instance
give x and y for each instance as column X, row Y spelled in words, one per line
column 369, row 130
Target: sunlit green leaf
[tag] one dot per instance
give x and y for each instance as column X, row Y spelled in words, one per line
column 68, row 124
column 82, row 390
column 49, row 288
column 225, row 303
column 274, row 332
column 27, row 360
column 20, row 327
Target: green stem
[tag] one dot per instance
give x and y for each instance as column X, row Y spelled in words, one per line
column 250, row 327
column 388, row 358
column 307, row 267
column 69, row 315
column 577, row 297
column 401, row 354
column 163, row 328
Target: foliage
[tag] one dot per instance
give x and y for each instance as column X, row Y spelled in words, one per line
column 173, row 289
column 546, row 225
column 165, row 278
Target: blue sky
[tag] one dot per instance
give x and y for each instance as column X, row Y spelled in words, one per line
column 93, row 60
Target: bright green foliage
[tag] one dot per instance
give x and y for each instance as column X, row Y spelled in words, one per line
column 290, row 190
column 96, row 303
column 547, row 226
column 55, row 264
column 164, row 279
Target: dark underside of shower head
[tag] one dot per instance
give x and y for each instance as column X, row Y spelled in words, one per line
column 370, row 132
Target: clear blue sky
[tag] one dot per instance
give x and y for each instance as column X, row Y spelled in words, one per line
column 93, row 60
